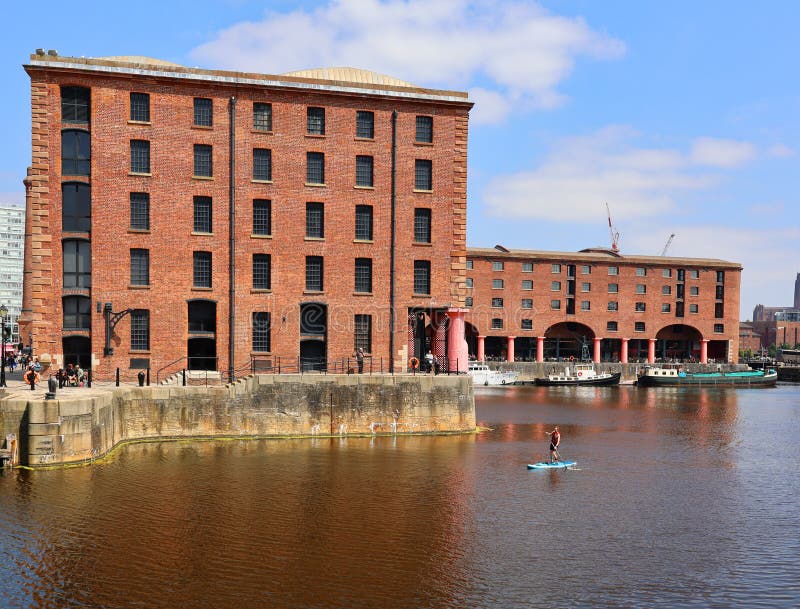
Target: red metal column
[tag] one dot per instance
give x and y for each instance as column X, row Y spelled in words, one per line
column 481, row 350
column 623, row 352
column 704, row 351
column 651, row 350
column 540, row 348
column 510, row 349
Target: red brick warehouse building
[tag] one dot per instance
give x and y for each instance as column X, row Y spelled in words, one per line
column 534, row 305
column 215, row 216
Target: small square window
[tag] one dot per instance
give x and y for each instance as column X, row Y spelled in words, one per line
column 555, row 268
column 613, row 270
column 665, row 307
column 497, row 266
column 666, row 272
column 586, row 287
column 470, row 265
column 497, row 303
column 203, row 112
column 693, row 308
column 555, row 305
column 639, row 326
column 719, row 328
column 694, row 290
column 468, row 301
column 497, row 284
column 611, row 326
column 527, row 324
column 613, row 288
column 640, row 307
column 470, row 282
column 527, row 303
column 365, row 124
column 527, row 284
column 586, row 305
column 666, row 290
column 497, row 323
column 586, row 269
column 641, row 288
column 423, row 174
column 694, row 274
column 364, row 165
column 641, row 272
column 316, row 121
column 140, row 107
column 425, row 129
column 555, row 286
column 613, row 305
column 262, row 116
column 527, row 267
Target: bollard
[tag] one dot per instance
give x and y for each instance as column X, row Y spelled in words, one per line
column 184, row 377
column 117, row 377
column 89, row 378
column 52, row 384
column 140, row 376
column 148, row 377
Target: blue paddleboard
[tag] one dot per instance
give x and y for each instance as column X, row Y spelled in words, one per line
column 555, row 465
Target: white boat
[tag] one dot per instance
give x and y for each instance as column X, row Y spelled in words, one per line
column 482, row 375
column 581, row 374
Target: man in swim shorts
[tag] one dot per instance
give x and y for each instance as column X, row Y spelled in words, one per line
column 555, row 440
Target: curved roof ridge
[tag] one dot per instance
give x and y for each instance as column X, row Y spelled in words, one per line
column 353, row 75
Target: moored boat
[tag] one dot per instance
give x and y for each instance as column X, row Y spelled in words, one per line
column 668, row 375
column 580, row 374
column 483, row 375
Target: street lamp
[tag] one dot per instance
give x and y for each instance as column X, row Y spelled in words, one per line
column 3, row 315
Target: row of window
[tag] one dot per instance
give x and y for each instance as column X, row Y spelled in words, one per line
column 586, row 269
column 613, row 305
column 613, row 288
column 497, row 323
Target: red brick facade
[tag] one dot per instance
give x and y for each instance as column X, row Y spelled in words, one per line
column 171, row 185
column 514, row 294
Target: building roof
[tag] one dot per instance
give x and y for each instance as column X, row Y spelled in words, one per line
column 343, row 80
column 597, row 255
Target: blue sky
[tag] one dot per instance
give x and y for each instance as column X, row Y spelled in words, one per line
column 683, row 116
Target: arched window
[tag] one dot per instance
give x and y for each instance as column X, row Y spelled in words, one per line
column 77, row 264
column 76, row 152
column 76, row 207
column 77, row 313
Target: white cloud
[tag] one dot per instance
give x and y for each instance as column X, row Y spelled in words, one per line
column 582, row 173
column 781, row 151
column 509, row 51
column 721, row 153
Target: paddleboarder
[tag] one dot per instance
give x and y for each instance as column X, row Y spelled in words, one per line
column 555, row 440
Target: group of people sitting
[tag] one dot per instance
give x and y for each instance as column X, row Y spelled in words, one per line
column 72, row 376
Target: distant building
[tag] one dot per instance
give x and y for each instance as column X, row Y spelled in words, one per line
column 12, row 234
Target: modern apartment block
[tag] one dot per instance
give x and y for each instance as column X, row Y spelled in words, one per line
column 597, row 303
column 12, row 232
column 211, row 217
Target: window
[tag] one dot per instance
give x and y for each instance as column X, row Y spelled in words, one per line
column 613, row 270
column 202, row 214
column 365, row 124
column 140, row 330
column 315, row 221
column 76, row 153
column 679, row 291
column 262, row 116
column 641, row 272
column 140, row 267
column 364, row 170
column 203, row 164
column 613, row 305
column 262, row 326
column 555, row 305
column 693, row 308
column 641, row 288
column 363, row 275
column 76, row 207
column 140, row 107
column 611, row 326
column 527, row 267
column 262, row 164
column 364, row 222
column 497, row 323
column 262, row 272
column 315, row 121
column 140, row 211
column 468, row 301
column 555, row 286
column 77, row 313
column 75, row 104
column 640, row 307
column 362, row 332
column 586, row 269
column 678, row 309
column 498, row 266
column 694, row 274
column 77, row 264
column 719, row 310
column 422, row 277
column 666, row 272
column 613, row 288
column 425, row 129
column 639, row 326
column 571, row 271
column 527, row 303
column 314, row 273
column 262, row 217
column 720, row 276
column 666, row 290
column 423, row 174
column 315, row 168
column 585, row 305
column 719, row 328
column 719, row 292
column 555, row 269
column 422, row 225
column 140, row 156
column 497, row 303
column 527, row 324
column 202, row 269
column 665, row 307
column 681, row 275
column 203, row 112
column 586, row 287
column 527, row 284
column 470, row 265
column 497, row 284
column 694, row 290
column 470, row 283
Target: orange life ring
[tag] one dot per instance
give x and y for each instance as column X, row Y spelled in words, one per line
column 413, row 363
column 580, row 373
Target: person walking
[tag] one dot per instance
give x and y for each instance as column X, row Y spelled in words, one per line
column 555, row 440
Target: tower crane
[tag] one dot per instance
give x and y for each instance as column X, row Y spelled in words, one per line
column 614, row 233
column 668, row 243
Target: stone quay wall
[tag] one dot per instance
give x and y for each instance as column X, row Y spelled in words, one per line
column 78, row 427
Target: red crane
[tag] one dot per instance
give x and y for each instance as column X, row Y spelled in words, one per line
column 614, row 234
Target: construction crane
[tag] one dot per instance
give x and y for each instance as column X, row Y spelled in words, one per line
column 614, row 234
column 668, row 243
